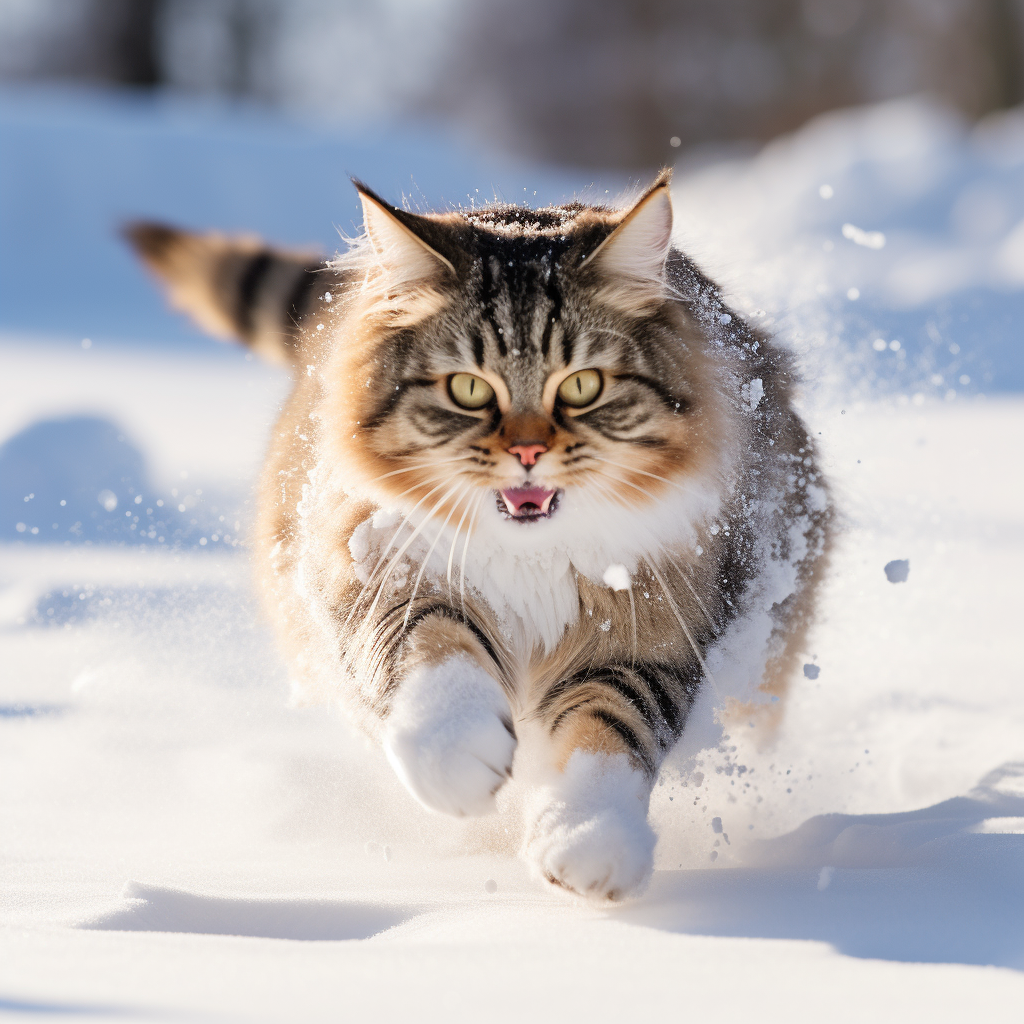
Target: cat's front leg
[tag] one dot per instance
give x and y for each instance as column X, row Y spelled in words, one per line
column 448, row 732
column 587, row 829
column 589, row 832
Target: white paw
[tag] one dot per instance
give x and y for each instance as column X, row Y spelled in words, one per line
column 449, row 737
column 590, row 834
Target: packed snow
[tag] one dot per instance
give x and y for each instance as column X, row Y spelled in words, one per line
column 179, row 843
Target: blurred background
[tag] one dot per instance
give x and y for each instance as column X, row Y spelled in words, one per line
column 852, row 172
column 601, row 83
column 251, row 114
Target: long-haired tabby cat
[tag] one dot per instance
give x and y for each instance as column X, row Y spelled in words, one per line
column 533, row 479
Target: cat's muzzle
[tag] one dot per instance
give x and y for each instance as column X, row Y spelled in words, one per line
column 527, row 504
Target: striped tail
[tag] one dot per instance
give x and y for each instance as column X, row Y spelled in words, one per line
column 236, row 287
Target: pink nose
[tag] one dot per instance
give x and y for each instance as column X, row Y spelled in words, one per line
column 528, row 452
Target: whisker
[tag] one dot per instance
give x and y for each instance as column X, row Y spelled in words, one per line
column 424, row 464
column 384, row 553
column 632, row 612
column 401, row 526
column 632, row 599
column 686, row 629
column 628, row 483
column 426, row 560
column 405, row 547
column 465, row 549
column 451, row 553
column 711, row 621
column 642, row 472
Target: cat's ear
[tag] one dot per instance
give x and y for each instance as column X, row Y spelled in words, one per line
column 396, row 238
column 636, row 250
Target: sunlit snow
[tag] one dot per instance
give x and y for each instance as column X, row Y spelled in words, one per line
column 177, row 843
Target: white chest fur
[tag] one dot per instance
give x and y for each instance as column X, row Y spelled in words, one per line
column 526, row 572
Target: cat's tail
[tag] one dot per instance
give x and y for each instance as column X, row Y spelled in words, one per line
column 235, row 287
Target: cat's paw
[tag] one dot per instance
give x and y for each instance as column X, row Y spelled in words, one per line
column 449, row 737
column 590, row 834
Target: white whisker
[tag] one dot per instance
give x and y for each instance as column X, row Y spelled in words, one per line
column 405, row 547
column 642, row 472
column 384, row 553
column 465, row 550
column 711, row 621
column 632, row 612
column 426, row 560
column 424, row 464
column 451, row 553
column 632, row 599
column 685, row 628
column 629, row 483
column 696, row 596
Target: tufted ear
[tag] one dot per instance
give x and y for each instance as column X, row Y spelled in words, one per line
column 406, row 257
column 637, row 247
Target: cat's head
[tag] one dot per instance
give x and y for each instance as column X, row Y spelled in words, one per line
column 529, row 369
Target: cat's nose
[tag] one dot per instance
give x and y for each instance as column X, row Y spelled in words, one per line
column 527, row 453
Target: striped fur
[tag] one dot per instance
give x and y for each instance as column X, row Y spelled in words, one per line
column 236, row 287
column 689, row 513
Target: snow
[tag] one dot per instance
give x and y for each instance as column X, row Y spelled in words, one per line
column 897, row 571
column 178, row 843
column 869, row 239
column 616, row 576
column 948, row 201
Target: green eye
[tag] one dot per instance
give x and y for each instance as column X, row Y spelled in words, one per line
column 580, row 388
column 469, row 390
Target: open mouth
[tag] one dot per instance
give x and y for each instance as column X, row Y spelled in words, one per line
column 527, row 504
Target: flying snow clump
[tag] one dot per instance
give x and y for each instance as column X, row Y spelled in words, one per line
column 616, row 576
column 897, row 570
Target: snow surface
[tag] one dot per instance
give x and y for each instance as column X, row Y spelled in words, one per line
column 178, row 844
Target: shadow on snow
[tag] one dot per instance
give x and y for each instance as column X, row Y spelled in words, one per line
column 943, row 884
column 156, row 909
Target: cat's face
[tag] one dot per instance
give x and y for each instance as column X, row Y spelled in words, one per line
column 548, row 383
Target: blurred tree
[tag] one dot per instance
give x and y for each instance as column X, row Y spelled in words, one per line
column 613, row 81
column 598, row 82
column 226, row 46
column 101, row 40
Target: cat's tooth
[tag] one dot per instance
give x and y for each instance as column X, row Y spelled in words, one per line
column 547, row 501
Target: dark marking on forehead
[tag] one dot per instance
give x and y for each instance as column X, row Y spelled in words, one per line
column 488, row 293
column 567, row 346
column 520, row 272
column 554, row 295
column 478, row 347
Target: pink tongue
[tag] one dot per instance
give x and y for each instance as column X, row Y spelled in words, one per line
column 517, row 498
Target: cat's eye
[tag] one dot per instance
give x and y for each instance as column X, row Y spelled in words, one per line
column 580, row 388
column 469, row 390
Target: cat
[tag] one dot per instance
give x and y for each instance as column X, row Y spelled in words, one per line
column 533, row 477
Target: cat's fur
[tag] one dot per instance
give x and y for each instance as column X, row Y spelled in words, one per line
column 689, row 509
